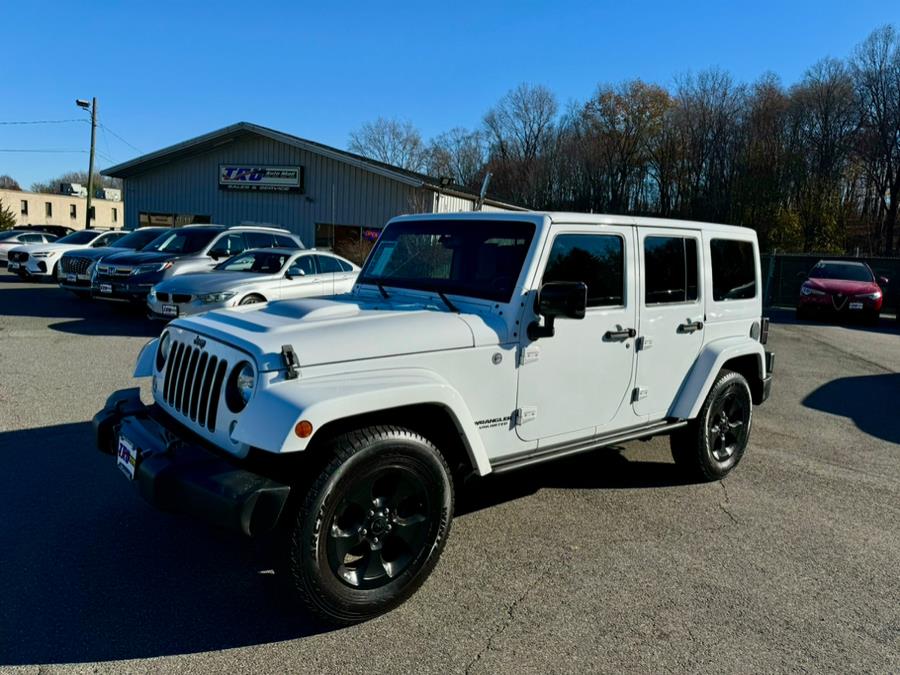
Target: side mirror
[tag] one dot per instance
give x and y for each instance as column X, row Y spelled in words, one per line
column 215, row 254
column 803, row 276
column 564, row 299
column 883, row 281
column 295, row 273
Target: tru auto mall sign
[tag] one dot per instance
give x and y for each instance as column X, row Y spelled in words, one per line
column 263, row 178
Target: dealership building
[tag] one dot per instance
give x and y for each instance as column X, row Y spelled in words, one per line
column 246, row 173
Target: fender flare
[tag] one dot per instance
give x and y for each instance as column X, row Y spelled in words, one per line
column 705, row 369
column 268, row 421
column 143, row 367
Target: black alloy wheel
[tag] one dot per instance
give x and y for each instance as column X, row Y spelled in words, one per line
column 370, row 525
column 380, row 526
column 712, row 444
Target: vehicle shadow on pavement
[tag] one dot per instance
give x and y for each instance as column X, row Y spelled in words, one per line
column 85, row 316
column 91, row 573
column 869, row 400
column 603, row 469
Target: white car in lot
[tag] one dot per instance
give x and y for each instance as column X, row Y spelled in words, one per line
column 41, row 260
column 258, row 275
column 14, row 238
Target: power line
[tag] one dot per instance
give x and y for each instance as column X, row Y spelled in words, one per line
column 40, row 150
column 106, row 128
column 42, row 122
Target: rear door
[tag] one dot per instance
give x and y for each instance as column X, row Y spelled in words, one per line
column 671, row 322
column 330, row 270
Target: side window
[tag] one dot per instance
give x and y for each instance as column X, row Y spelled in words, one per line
column 259, row 239
column 733, row 269
column 31, row 238
column 670, row 270
column 596, row 259
column 230, row 244
column 327, row 264
column 304, row 265
column 285, row 241
column 345, row 267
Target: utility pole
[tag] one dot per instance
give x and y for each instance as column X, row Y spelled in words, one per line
column 81, row 103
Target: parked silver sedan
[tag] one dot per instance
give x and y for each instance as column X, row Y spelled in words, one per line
column 258, row 275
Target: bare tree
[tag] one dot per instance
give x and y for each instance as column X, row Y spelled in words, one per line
column 875, row 68
column 459, row 154
column 9, row 183
column 390, row 141
column 520, row 128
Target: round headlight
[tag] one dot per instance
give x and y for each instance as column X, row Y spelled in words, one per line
column 240, row 386
column 162, row 351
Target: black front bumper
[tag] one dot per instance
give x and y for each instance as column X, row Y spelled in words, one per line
column 181, row 474
column 114, row 288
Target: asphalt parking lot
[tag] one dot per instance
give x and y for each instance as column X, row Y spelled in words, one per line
column 602, row 563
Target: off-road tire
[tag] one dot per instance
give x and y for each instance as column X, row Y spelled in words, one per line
column 694, row 448
column 390, row 454
column 252, row 299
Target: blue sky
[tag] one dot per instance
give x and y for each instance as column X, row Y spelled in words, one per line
column 167, row 71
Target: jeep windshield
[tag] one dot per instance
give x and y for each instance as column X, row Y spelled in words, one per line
column 181, row 241
column 476, row 258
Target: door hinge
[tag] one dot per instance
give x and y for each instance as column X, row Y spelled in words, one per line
column 525, row 414
column 529, row 354
column 639, row 394
column 643, row 343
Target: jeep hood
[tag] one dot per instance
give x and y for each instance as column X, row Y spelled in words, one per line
column 327, row 331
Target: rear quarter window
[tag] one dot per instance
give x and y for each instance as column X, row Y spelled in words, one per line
column 733, row 269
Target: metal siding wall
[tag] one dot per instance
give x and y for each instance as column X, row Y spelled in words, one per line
column 191, row 186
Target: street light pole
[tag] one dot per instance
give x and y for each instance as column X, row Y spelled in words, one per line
column 81, row 103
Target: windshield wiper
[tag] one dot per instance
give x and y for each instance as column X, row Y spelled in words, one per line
column 384, row 293
column 450, row 305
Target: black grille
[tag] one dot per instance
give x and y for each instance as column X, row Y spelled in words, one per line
column 193, row 384
column 73, row 265
column 17, row 256
column 162, row 297
column 181, row 297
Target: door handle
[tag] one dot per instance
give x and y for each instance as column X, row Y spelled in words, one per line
column 623, row 334
column 690, row 327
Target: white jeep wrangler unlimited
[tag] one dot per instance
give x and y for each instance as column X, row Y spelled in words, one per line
column 471, row 343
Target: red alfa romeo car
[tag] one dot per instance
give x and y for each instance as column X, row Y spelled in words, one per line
column 841, row 288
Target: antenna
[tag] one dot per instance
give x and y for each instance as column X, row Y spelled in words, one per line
column 484, row 188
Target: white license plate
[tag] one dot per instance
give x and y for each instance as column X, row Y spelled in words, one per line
column 71, row 278
column 856, row 305
column 106, row 288
column 13, row 266
column 170, row 310
column 127, row 457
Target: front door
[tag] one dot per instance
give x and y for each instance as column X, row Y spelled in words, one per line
column 671, row 325
column 575, row 382
column 304, row 280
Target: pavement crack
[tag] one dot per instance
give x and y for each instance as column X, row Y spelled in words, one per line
column 725, row 505
column 507, row 622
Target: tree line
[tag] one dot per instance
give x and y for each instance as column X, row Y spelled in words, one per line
column 814, row 166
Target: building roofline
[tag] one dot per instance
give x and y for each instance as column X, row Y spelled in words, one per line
column 218, row 137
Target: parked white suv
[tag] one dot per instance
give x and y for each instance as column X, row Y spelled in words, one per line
column 471, row 343
column 42, row 260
